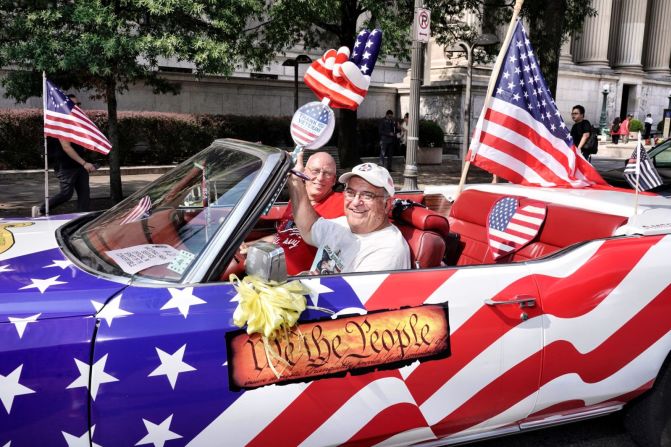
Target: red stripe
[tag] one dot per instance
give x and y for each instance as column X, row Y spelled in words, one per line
column 407, row 289
column 76, row 134
column 329, row 74
column 314, row 406
column 531, row 133
column 67, row 119
column 337, row 100
column 390, row 421
column 562, row 357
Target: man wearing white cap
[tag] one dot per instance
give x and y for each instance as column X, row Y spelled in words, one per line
column 363, row 240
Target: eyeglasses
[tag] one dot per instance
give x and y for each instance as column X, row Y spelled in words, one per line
column 324, row 172
column 366, row 196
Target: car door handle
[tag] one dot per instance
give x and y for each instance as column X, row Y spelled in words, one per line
column 522, row 300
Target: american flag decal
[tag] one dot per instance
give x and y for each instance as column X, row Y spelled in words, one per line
column 66, row 121
column 511, row 227
column 640, row 172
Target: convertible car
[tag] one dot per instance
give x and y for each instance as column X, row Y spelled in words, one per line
column 117, row 328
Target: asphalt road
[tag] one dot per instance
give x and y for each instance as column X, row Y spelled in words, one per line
column 606, row 431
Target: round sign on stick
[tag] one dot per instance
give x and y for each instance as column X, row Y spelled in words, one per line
column 312, row 125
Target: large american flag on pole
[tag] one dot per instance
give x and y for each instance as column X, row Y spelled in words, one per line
column 520, row 135
column 66, row 121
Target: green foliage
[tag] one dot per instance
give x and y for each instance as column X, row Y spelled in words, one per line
column 430, row 134
column 87, row 43
column 635, row 125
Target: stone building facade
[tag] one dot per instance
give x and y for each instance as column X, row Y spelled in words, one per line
column 624, row 50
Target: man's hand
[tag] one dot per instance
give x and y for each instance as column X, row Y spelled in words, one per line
column 304, row 214
column 89, row 167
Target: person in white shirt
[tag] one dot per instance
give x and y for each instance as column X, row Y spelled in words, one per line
column 364, row 239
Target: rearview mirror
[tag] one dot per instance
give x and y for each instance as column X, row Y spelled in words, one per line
column 266, row 261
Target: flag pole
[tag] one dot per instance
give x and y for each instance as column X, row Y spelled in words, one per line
column 638, row 172
column 492, row 81
column 46, row 160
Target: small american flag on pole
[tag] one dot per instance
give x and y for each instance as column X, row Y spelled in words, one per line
column 511, row 227
column 139, row 211
column 640, row 171
column 66, row 121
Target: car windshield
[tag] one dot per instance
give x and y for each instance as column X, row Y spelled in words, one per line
column 159, row 231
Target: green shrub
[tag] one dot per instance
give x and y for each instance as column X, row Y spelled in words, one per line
column 152, row 138
column 430, row 134
column 635, row 125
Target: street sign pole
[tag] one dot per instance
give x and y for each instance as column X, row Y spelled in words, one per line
column 420, row 30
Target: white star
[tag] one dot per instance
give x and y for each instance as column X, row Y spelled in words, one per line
column 363, row 31
column 513, row 59
column 366, row 55
column 21, row 323
column 499, row 90
column 374, row 32
column 364, row 69
column 98, row 376
column 357, row 44
column 111, row 311
column 553, row 127
column 511, row 85
column 5, row 268
column 63, row 263
column 506, row 75
column 354, row 54
column 369, row 44
column 8, row 444
column 316, row 288
column 518, row 44
column 182, row 299
column 171, row 365
column 516, row 97
column 82, row 441
column 158, row 434
column 10, row 388
column 43, row 284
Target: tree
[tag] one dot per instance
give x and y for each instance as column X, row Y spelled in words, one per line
column 107, row 45
column 550, row 24
column 323, row 25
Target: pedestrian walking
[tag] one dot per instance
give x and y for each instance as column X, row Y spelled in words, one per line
column 72, row 171
column 615, row 130
column 624, row 128
column 648, row 126
column 386, row 130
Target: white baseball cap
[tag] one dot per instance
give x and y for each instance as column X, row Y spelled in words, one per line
column 373, row 174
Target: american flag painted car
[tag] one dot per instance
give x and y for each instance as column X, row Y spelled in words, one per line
column 114, row 330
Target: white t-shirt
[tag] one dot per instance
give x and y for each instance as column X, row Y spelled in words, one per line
column 384, row 249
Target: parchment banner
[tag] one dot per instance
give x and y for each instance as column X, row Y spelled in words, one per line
column 363, row 342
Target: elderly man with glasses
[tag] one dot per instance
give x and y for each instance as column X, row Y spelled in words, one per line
column 321, row 169
column 363, row 239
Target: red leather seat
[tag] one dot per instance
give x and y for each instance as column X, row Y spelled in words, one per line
column 425, row 231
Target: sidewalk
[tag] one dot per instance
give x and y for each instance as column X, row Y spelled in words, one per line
column 20, row 190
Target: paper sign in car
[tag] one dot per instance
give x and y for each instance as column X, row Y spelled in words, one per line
column 360, row 343
column 139, row 257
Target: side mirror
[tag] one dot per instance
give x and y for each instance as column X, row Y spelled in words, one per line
column 266, row 261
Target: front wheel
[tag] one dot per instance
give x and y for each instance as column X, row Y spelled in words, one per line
column 648, row 418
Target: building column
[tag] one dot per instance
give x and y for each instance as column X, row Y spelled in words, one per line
column 592, row 44
column 658, row 42
column 565, row 56
column 629, row 52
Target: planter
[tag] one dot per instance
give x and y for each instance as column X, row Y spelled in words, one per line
column 429, row 155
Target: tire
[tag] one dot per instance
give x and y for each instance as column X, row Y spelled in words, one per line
column 648, row 418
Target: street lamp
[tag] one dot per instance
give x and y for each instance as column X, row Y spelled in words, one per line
column 300, row 59
column 481, row 40
column 603, row 121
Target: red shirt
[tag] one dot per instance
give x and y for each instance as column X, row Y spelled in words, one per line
column 297, row 252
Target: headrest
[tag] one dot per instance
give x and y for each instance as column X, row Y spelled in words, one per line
column 417, row 216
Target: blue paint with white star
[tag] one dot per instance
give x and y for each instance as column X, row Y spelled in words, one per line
column 132, row 363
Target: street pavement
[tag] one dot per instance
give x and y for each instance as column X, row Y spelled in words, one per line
column 20, row 190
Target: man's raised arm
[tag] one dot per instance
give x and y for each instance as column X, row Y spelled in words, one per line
column 304, row 213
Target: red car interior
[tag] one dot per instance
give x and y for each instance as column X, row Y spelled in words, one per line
column 563, row 226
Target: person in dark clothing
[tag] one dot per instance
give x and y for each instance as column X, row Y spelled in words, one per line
column 581, row 129
column 386, row 130
column 72, row 171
